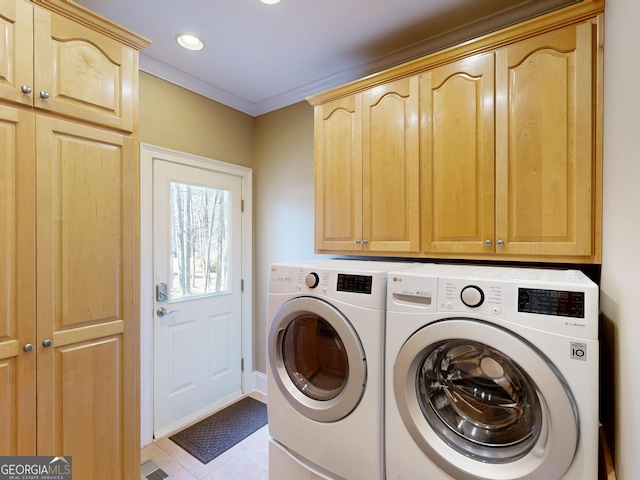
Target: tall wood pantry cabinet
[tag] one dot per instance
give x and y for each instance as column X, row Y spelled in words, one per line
column 506, row 162
column 69, row 244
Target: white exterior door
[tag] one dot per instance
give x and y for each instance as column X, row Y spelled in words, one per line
column 197, row 331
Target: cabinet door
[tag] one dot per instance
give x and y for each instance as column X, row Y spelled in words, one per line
column 338, row 175
column 391, row 167
column 16, row 50
column 457, row 115
column 545, row 144
column 17, row 283
column 86, row 260
column 85, row 74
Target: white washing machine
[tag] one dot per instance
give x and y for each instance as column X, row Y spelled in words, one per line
column 325, row 369
column 491, row 373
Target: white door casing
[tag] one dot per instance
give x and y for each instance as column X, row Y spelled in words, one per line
column 205, row 337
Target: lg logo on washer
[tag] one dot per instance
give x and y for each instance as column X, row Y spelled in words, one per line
column 579, row 351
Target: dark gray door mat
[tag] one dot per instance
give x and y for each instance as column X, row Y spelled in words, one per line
column 218, row 433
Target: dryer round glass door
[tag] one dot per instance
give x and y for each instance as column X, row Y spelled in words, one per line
column 314, row 357
column 482, row 402
column 318, row 361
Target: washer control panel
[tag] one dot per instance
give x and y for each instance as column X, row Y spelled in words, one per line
column 562, row 301
column 472, row 296
column 460, row 295
column 312, row 280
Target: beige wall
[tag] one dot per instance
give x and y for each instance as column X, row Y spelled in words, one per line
column 283, row 180
column 176, row 118
column 621, row 230
column 279, row 148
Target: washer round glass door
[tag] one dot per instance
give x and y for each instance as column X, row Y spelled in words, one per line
column 317, row 359
column 483, row 403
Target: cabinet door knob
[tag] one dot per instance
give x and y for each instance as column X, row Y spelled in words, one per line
column 26, row 89
column 488, row 243
column 364, row 242
column 357, row 242
column 28, row 347
column 44, row 94
column 501, row 243
column 47, row 343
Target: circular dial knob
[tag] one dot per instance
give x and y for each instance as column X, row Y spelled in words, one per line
column 312, row 280
column 472, row 296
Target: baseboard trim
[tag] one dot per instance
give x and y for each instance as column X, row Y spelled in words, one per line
column 260, row 383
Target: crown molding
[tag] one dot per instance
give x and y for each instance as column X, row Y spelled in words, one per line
column 526, row 10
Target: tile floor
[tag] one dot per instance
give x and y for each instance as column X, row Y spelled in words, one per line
column 248, row 460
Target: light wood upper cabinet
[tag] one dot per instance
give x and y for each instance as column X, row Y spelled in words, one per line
column 457, row 135
column 55, row 64
column 544, row 149
column 367, row 171
column 509, row 149
column 338, row 175
column 390, row 167
column 545, row 144
column 86, row 74
column 16, row 50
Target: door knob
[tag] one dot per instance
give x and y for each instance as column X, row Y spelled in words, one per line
column 162, row 312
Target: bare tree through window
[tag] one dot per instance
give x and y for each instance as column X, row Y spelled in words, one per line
column 199, row 240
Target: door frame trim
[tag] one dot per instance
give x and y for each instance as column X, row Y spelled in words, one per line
column 148, row 153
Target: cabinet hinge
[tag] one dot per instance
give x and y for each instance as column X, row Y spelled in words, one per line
column 242, row 364
column 242, row 206
column 242, row 285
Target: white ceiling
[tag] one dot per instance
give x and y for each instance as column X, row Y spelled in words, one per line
column 259, row 58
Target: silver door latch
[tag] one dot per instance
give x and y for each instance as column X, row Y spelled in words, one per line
column 162, row 312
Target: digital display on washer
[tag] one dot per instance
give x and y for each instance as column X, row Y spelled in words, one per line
column 551, row 302
column 354, row 283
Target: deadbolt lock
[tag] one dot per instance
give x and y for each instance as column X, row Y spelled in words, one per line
column 161, row 292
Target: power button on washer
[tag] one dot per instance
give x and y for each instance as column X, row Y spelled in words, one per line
column 496, row 310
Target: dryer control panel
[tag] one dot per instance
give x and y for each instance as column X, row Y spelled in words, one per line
column 354, row 282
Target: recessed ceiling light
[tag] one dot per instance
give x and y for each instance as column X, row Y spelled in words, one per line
column 270, row 2
column 190, row 42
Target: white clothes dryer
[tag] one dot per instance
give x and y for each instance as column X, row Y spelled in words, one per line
column 325, row 369
column 491, row 373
